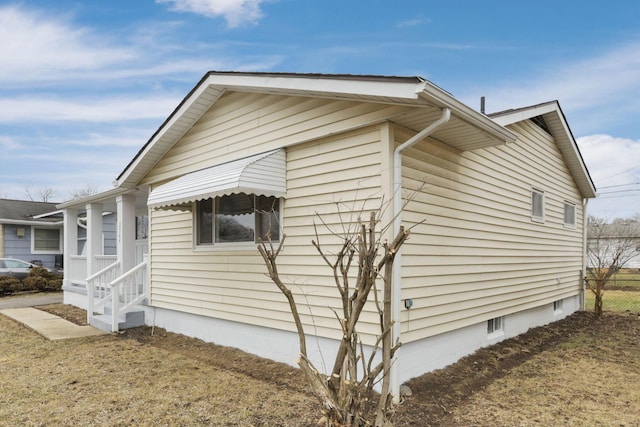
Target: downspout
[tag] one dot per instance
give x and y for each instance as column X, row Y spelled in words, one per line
column 397, row 221
column 585, row 258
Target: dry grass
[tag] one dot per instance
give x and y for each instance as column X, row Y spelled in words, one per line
column 591, row 379
column 116, row 381
column 580, row 371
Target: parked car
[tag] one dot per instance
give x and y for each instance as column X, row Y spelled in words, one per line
column 18, row 268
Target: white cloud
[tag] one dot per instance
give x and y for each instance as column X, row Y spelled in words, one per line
column 613, row 165
column 9, row 144
column 34, row 44
column 235, row 12
column 47, row 50
column 36, row 109
column 413, row 22
column 598, row 88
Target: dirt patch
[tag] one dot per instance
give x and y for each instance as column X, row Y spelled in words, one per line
column 460, row 393
column 438, row 393
column 68, row 312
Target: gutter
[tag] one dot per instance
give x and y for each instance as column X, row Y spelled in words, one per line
column 397, row 222
column 26, row 222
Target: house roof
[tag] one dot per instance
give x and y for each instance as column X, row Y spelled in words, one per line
column 467, row 129
column 558, row 127
column 23, row 211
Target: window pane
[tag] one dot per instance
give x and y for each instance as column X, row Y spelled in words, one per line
column 268, row 218
column 142, row 225
column 537, row 204
column 204, row 222
column 46, row 239
column 569, row 214
column 235, row 218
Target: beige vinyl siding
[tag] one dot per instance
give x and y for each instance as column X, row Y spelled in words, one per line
column 343, row 170
column 479, row 255
column 1, row 240
column 242, row 124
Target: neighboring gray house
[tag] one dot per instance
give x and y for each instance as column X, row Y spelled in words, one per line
column 620, row 239
column 31, row 231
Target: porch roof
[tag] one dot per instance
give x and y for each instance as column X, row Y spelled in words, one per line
column 262, row 174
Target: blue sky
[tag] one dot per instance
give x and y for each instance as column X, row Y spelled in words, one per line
column 84, row 84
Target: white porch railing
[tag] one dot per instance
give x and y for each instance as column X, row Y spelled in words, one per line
column 98, row 289
column 104, row 261
column 119, row 291
column 77, row 271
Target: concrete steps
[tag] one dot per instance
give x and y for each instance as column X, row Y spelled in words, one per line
column 132, row 319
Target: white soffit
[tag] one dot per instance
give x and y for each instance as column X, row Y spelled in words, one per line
column 262, row 174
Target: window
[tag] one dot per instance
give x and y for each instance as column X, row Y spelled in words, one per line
column 237, row 218
column 142, row 227
column 537, row 205
column 46, row 240
column 495, row 326
column 569, row 214
column 557, row 306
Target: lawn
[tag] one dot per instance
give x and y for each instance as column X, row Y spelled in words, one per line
column 615, row 300
column 579, row 371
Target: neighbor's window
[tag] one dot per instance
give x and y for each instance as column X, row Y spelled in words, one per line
column 46, row 240
column 569, row 214
column 495, row 326
column 237, row 218
column 537, row 205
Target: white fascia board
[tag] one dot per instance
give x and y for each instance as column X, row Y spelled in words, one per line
column 44, row 215
column 309, row 84
column 176, row 116
column 525, row 113
column 95, row 198
column 36, row 223
column 466, row 113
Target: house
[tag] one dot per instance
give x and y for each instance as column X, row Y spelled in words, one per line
column 619, row 240
column 31, row 231
column 497, row 205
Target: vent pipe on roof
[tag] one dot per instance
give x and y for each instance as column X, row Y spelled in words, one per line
column 482, row 104
column 397, row 222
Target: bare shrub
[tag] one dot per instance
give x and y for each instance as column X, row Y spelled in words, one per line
column 347, row 393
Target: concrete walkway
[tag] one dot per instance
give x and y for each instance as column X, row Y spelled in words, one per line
column 30, row 300
column 46, row 324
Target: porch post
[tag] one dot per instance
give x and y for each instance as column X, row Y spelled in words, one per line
column 126, row 225
column 70, row 244
column 94, row 236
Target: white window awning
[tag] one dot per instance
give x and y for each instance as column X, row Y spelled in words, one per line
column 263, row 174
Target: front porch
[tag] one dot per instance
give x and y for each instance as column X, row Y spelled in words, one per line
column 105, row 259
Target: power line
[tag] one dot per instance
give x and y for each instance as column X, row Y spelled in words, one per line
column 620, row 185
column 620, row 173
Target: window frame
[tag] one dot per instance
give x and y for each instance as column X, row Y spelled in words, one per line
column 46, row 251
column 495, row 327
column 567, row 204
column 534, row 217
column 557, row 306
column 221, row 246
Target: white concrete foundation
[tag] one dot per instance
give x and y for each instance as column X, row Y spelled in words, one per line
column 77, row 299
column 274, row 344
column 414, row 358
column 419, row 357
